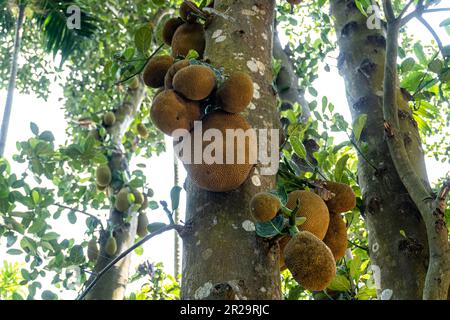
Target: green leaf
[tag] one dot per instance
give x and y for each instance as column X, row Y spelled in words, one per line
column 408, row 64
column 340, row 283
column 50, row 236
column 340, row 167
column 445, row 23
column 76, row 255
column 175, row 197
column 153, row 227
column 298, row 147
column 153, row 205
column 34, row 128
column 36, row 197
column 271, row 228
column 14, row 252
column 359, row 125
column 47, row 136
column 72, row 217
column 48, row 295
column 420, row 54
column 143, row 39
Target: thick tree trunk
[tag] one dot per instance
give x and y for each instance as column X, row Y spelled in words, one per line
column 399, row 261
column 113, row 284
column 12, row 79
column 223, row 258
column 176, row 218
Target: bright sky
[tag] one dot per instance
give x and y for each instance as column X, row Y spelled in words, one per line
column 159, row 170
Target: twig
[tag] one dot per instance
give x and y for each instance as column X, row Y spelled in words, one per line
column 360, row 152
column 143, row 67
column 433, row 33
column 124, row 254
column 358, row 246
column 79, row 211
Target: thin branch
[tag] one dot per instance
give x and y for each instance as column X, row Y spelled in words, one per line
column 79, row 211
column 389, row 10
column 124, row 254
column 433, row 33
column 402, row 13
column 436, row 10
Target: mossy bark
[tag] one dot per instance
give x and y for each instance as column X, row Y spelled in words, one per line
column 222, row 257
column 399, row 262
column 113, row 284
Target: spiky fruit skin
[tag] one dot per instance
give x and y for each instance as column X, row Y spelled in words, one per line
column 195, row 82
column 92, row 250
column 189, row 36
column 177, row 66
column 134, row 83
column 142, row 225
column 138, row 197
column 344, row 200
column 336, row 237
column 101, row 188
column 314, row 209
column 264, row 206
column 104, row 176
column 170, row 112
column 142, row 130
column 223, row 177
column 310, row 261
column 170, row 28
column 187, row 13
column 283, row 243
column 236, row 93
column 122, row 203
column 111, row 246
column 156, row 70
column 109, row 119
column 294, row 1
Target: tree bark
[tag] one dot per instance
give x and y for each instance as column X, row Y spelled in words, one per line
column 222, row 257
column 12, row 78
column 113, row 284
column 176, row 218
column 398, row 244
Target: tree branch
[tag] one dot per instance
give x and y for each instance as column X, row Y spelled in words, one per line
column 433, row 33
column 79, row 211
column 437, row 280
column 124, row 254
column 389, row 10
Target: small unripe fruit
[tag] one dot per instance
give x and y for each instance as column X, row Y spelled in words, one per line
column 111, row 246
column 265, row 206
column 142, row 130
column 138, row 197
column 122, row 203
column 103, row 176
column 109, row 119
column 142, row 225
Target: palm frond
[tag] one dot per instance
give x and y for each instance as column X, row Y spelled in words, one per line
column 53, row 17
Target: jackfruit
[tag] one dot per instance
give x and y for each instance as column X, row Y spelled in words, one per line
column 336, row 237
column 344, row 200
column 138, row 197
column 293, row 2
column 195, row 82
column 142, row 130
column 101, row 188
column 103, row 175
column 95, row 134
column 189, row 36
column 156, row 70
column 310, row 261
column 169, row 29
column 170, row 112
column 314, row 209
column 142, row 225
column 265, row 206
column 122, row 203
column 111, row 246
column 177, row 66
column 92, row 250
column 236, row 93
column 109, row 119
column 187, row 13
column 134, row 83
column 224, row 177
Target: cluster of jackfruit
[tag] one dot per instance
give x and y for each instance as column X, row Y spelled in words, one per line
column 311, row 254
column 185, row 86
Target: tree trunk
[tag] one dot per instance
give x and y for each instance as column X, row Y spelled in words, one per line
column 176, row 218
column 113, row 284
column 222, row 257
column 12, row 78
column 397, row 236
